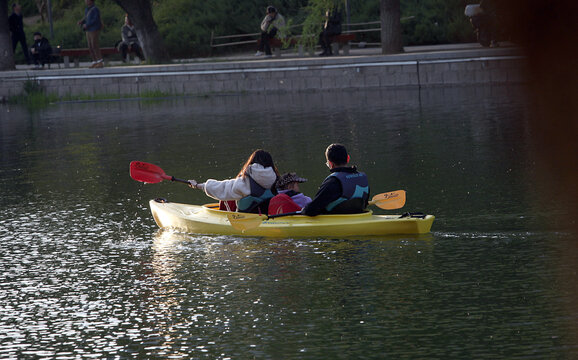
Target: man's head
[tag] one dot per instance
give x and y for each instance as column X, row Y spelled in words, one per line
column 37, row 36
column 336, row 156
column 271, row 10
column 16, row 8
column 89, row 2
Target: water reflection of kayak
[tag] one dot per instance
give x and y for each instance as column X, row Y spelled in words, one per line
column 208, row 219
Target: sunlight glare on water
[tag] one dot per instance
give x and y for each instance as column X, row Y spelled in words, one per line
column 86, row 273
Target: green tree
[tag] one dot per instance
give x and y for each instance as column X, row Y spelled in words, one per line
column 141, row 14
column 312, row 25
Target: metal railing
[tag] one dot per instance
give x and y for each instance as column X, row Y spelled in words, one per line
column 255, row 36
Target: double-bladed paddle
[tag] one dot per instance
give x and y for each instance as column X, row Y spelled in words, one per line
column 150, row 173
column 247, row 221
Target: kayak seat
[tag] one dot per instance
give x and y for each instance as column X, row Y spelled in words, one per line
column 229, row 205
column 281, row 204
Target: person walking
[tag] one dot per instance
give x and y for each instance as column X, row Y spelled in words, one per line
column 92, row 24
column 16, row 24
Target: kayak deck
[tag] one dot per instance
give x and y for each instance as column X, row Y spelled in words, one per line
column 207, row 219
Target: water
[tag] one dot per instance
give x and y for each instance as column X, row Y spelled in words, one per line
column 85, row 273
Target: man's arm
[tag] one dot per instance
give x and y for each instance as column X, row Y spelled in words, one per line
column 329, row 191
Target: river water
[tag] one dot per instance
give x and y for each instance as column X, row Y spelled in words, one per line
column 85, row 272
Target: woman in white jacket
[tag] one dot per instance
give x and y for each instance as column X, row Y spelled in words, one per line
column 251, row 189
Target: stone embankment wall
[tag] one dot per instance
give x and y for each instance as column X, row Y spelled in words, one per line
column 483, row 66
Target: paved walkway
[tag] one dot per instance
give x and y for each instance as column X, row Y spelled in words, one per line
column 291, row 54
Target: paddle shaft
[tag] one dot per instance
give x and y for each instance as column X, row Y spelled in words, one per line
column 285, row 214
column 390, row 200
column 172, row 178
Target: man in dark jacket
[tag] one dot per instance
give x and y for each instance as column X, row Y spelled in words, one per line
column 92, row 24
column 345, row 191
column 331, row 28
column 17, row 30
column 40, row 51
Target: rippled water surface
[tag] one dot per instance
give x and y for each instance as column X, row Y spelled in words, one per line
column 85, row 272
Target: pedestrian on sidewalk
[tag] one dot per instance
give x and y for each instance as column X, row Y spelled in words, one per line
column 92, row 24
column 16, row 24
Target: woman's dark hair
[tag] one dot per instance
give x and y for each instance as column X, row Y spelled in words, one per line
column 337, row 154
column 261, row 157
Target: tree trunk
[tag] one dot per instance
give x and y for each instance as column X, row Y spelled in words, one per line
column 6, row 53
column 141, row 14
column 390, row 15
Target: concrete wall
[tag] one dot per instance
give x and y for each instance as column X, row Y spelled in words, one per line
column 483, row 66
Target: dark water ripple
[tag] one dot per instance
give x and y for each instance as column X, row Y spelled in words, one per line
column 86, row 274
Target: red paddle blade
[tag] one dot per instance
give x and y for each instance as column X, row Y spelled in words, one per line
column 147, row 173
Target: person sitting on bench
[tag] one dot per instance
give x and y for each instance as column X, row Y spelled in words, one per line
column 40, row 51
column 271, row 25
column 129, row 43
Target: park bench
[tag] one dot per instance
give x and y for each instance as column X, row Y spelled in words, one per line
column 75, row 54
column 342, row 40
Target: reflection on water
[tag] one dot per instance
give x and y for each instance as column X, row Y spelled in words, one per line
column 85, row 273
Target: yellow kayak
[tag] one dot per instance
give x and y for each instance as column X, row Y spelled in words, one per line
column 208, row 219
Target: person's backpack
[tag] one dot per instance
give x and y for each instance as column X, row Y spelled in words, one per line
column 282, row 204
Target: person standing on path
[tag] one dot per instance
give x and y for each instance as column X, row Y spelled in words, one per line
column 17, row 30
column 92, row 24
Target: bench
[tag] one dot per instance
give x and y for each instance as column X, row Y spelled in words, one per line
column 342, row 40
column 66, row 54
column 276, row 45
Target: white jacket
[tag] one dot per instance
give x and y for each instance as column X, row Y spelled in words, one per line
column 239, row 187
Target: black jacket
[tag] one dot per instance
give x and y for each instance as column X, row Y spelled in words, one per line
column 42, row 46
column 329, row 191
column 16, row 24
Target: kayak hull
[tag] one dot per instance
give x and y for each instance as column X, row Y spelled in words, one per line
column 207, row 219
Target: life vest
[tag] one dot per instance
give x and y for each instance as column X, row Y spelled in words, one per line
column 355, row 193
column 259, row 199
